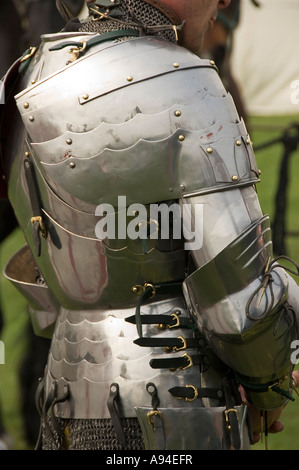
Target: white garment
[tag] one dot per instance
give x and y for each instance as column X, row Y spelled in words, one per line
column 265, row 59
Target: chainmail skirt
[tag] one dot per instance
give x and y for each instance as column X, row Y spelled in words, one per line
column 90, row 434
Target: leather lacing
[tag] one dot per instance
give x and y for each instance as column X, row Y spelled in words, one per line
column 267, row 281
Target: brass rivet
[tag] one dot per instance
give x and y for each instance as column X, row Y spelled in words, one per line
column 129, row 78
column 248, row 142
column 238, row 143
column 235, row 178
column 26, row 105
column 85, row 96
column 33, row 82
column 69, row 141
column 176, row 65
column 181, row 138
column 31, row 118
column 259, row 172
column 182, row 187
column 134, row 289
column 212, row 62
column 72, row 164
column 177, row 113
column 209, row 150
column 27, row 154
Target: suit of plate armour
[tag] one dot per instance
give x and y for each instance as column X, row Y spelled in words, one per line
column 108, row 121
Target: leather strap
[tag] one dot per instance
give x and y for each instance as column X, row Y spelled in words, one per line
column 166, row 321
column 155, row 416
column 183, row 362
column 177, row 344
column 231, row 416
column 114, row 414
column 191, row 393
column 38, row 227
column 149, row 290
column 109, row 36
column 171, row 15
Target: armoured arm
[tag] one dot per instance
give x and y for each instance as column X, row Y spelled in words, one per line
column 242, row 299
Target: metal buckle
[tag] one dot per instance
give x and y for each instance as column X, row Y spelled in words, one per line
column 195, row 393
column 42, row 227
column 150, row 415
column 190, row 361
column 230, row 410
column 76, row 51
column 30, row 54
column 177, row 323
column 184, row 344
column 139, row 289
column 163, row 326
column 278, row 383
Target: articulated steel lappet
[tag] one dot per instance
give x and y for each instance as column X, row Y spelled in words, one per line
column 149, row 340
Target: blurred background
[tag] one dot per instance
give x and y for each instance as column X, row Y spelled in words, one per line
column 256, row 48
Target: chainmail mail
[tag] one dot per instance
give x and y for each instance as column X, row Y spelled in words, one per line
column 137, row 15
column 91, row 434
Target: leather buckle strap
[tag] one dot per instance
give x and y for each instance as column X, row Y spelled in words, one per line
column 191, row 393
column 149, row 290
column 231, row 415
column 171, row 344
column 77, row 48
column 174, row 363
column 38, row 226
column 163, row 321
column 155, row 417
column 171, row 15
column 161, row 289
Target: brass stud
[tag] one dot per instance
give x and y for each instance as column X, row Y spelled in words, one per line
column 238, row 143
column 26, row 105
column 235, row 178
column 259, row 172
column 182, row 187
column 177, row 113
column 33, row 82
column 134, row 289
column 31, row 118
column 72, row 165
column 248, row 142
column 176, row 65
column 212, row 62
column 85, row 96
column 69, row 141
column 209, row 150
column 27, row 154
column 129, row 78
column 181, row 138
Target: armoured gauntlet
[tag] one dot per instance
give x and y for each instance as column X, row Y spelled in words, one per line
column 244, row 302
